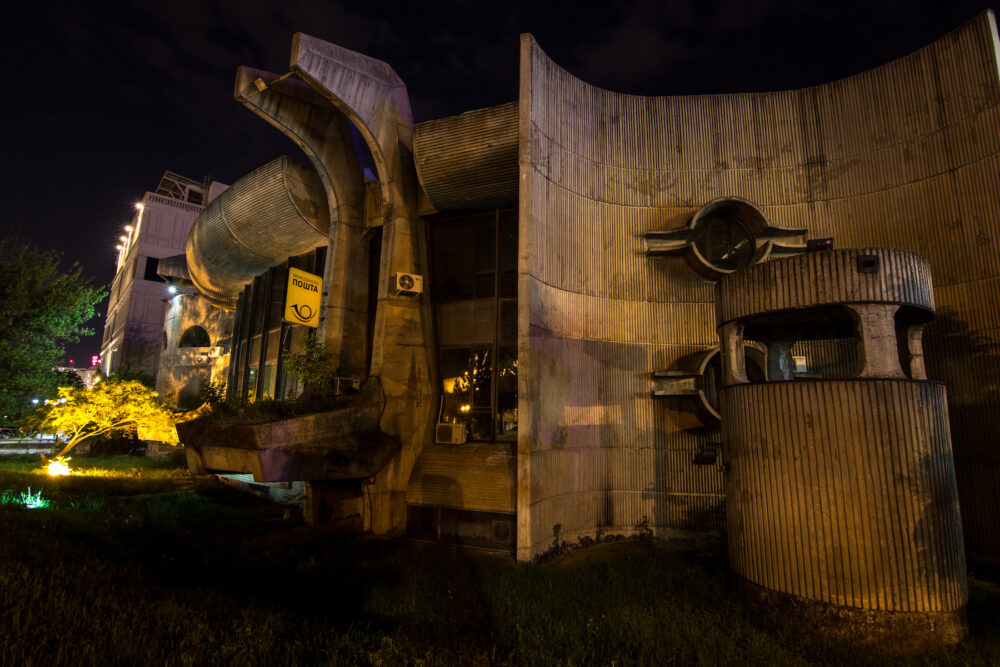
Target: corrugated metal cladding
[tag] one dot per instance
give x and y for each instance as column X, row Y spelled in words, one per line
column 904, row 156
column 469, row 161
column 275, row 212
column 474, row 476
column 824, row 278
column 844, row 492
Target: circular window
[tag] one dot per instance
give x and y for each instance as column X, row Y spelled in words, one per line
column 725, row 242
column 711, row 378
column 724, row 236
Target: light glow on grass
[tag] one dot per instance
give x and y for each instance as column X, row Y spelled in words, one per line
column 26, row 498
column 58, row 466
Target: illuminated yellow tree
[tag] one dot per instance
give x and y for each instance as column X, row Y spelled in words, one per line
column 108, row 407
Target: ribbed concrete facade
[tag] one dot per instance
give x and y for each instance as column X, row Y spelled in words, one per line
column 469, row 161
column 826, row 278
column 274, row 212
column 906, row 155
column 844, row 492
column 477, row 476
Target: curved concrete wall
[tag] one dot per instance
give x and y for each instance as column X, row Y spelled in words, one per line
column 469, row 161
column 806, row 522
column 905, row 155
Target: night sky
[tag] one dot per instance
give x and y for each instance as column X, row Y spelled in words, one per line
column 100, row 98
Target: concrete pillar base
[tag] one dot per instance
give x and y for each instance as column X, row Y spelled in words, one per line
column 898, row 632
column 331, row 501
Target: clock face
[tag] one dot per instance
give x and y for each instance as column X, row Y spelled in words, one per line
column 406, row 282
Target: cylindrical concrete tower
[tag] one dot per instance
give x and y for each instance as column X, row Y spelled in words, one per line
column 840, row 494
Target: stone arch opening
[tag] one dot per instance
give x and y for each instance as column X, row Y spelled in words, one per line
column 195, row 337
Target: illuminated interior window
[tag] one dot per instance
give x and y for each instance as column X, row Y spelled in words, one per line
column 474, row 285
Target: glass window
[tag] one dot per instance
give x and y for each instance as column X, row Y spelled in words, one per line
column 506, row 423
column 474, row 284
column 464, row 252
column 467, row 375
column 267, row 391
column 508, row 253
column 725, row 242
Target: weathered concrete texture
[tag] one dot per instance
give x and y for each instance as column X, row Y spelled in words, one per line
column 344, row 85
column 901, row 633
column 470, row 160
column 906, row 155
column 136, row 305
column 324, row 134
column 476, row 476
column 842, row 491
column 827, row 278
column 344, row 444
column 182, row 369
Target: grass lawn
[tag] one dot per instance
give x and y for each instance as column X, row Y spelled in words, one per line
column 136, row 562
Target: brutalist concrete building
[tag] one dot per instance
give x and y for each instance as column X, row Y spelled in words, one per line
column 521, row 304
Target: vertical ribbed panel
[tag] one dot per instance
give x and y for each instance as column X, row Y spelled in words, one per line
column 475, row 476
column 904, row 156
column 469, row 161
column 844, row 492
column 961, row 349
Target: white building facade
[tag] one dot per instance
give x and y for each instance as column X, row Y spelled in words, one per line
column 133, row 329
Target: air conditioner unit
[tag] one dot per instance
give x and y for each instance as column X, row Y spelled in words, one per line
column 450, row 434
column 407, row 284
column 342, row 386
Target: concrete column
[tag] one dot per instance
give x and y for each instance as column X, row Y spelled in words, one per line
column 734, row 369
column 915, row 349
column 878, row 353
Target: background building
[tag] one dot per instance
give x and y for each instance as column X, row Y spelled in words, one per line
column 138, row 300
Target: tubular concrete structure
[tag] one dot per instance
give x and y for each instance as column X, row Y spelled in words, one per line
column 275, row 211
column 841, row 492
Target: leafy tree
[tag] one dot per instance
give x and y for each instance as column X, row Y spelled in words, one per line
column 129, row 372
column 42, row 308
column 110, row 406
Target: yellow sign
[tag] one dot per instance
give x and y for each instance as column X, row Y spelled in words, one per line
column 303, row 297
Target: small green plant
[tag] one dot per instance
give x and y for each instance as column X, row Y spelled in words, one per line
column 645, row 529
column 314, row 365
column 27, row 498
